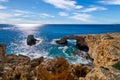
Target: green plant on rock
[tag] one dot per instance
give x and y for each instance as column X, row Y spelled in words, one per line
column 116, row 65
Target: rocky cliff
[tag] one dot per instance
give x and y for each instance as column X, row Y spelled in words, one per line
column 104, row 49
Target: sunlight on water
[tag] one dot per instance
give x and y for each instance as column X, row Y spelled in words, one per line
column 28, row 28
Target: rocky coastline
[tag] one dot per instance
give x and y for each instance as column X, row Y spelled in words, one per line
column 103, row 49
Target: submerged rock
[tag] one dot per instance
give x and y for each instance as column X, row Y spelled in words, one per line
column 31, row 40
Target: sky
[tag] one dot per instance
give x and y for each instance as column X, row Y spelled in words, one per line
column 60, row 11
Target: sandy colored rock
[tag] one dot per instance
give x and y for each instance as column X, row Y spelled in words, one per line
column 103, row 73
column 81, row 70
column 104, row 48
column 54, row 69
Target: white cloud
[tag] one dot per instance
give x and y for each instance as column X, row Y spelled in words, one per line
column 3, row 7
column 22, row 11
column 81, row 17
column 111, row 2
column 95, row 8
column 45, row 15
column 64, row 4
column 10, row 18
column 3, row 0
column 4, row 16
column 21, row 16
column 63, row 14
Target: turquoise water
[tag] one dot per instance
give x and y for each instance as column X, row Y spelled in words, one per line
column 14, row 37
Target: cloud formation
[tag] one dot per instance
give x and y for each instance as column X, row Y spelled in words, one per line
column 63, row 14
column 94, row 8
column 45, row 15
column 3, row 0
column 81, row 17
column 3, row 7
column 111, row 2
column 64, row 4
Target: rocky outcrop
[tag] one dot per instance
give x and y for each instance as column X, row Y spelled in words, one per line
column 31, row 40
column 22, row 68
column 81, row 44
column 102, row 73
column 104, row 49
column 19, row 67
column 54, row 69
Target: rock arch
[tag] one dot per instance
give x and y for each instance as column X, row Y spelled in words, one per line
column 81, row 43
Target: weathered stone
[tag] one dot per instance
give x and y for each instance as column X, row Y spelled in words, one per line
column 54, row 69
column 36, row 62
column 31, row 40
column 101, row 73
column 80, row 70
column 81, row 43
column 17, row 60
column 103, row 49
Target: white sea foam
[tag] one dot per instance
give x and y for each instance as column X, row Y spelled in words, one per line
column 71, row 40
column 79, row 59
column 74, row 59
column 7, row 28
column 30, row 51
column 64, row 48
column 54, row 41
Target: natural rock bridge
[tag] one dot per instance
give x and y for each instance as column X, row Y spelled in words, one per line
column 80, row 42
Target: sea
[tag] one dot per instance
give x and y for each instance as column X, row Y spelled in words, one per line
column 15, row 36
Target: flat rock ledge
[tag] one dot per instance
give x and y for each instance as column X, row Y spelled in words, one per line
column 104, row 49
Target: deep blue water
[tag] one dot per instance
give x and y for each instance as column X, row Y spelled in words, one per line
column 15, row 39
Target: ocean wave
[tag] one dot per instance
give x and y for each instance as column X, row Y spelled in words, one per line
column 30, row 51
column 78, row 59
column 72, row 55
column 6, row 28
column 54, row 41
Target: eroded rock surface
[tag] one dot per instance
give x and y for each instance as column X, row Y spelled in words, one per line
column 104, row 49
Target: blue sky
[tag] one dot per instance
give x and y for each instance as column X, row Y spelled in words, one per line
column 60, row 11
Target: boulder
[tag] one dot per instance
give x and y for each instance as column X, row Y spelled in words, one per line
column 31, row 40
column 36, row 62
column 12, row 59
column 54, row 69
column 81, row 70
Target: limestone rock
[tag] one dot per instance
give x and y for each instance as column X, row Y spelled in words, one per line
column 54, row 69
column 104, row 48
column 36, row 62
column 102, row 73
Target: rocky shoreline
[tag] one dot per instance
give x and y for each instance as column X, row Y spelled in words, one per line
column 104, row 49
